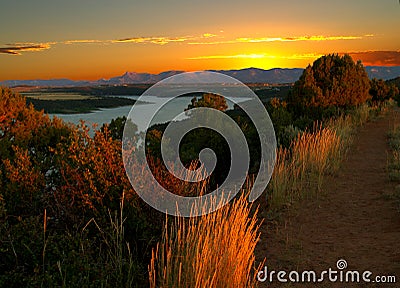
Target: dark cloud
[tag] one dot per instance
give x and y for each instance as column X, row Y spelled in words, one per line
column 377, row 58
column 19, row 49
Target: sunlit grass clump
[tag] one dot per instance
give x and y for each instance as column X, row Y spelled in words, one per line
column 214, row 250
column 393, row 162
column 300, row 169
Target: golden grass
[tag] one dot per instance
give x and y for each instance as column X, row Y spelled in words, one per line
column 393, row 160
column 214, row 250
column 217, row 250
column 283, row 180
column 315, row 152
column 299, row 170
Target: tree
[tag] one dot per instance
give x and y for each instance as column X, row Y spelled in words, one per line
column 116, row 127
column 332, row 81
column 209, row 100
column 380, row 90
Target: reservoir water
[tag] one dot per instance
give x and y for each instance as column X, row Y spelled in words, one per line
column 165, row 114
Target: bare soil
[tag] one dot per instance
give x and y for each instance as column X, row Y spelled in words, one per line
column 355, row 218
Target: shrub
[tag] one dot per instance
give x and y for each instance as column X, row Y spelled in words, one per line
column 332, row 80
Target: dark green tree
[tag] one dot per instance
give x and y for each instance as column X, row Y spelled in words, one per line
column 116, row 127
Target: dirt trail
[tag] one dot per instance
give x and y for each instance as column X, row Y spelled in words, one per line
column 356, row 219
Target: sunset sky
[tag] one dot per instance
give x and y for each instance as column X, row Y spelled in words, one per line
column 100, row 38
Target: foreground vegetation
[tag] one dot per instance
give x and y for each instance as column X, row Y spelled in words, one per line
column 215, row 250
column 311, row 146
column 393, row 164
column 70, row 218
column 300, row 169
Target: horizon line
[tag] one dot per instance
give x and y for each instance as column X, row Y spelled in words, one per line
column 171, row 70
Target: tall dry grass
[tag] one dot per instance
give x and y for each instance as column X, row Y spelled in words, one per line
column 214, row 250
column 393, row 157
column 299, row 171
column 119, row 255
column 217, row 250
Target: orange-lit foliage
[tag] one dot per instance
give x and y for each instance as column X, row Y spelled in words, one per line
column 332, row 80
column 92, row 174
column 176, row 185
column 47, row 165
column 209, row 100
column 23, row 176
column 92, row 171
column 18, row 121
column 277, row 103
column 25, row 138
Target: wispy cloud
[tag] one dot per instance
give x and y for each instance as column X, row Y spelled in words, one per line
column 85, row 41
column 153, row 40
column 368, row 58
column 257, row 56
column 377, row 58
column 202, row 39
column 209, row 35
column 162, row 40
column 238, row 56
column 279, row 39
column 302, row 56
column 296, row 39
column 19, row 48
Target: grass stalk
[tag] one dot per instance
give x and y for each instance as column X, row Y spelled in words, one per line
column 214, row 250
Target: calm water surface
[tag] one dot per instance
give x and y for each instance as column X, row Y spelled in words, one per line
column 167, row 113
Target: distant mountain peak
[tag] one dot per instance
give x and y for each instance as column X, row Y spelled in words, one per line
column 246, row 75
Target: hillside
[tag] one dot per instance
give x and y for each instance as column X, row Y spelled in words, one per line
column 247, row 75
column 395, row 81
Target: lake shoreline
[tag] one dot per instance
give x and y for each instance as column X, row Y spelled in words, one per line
column 79, row 106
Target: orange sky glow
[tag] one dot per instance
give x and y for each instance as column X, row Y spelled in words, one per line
column 99, row 40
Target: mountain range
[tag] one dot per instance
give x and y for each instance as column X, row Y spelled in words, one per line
column 247, row 75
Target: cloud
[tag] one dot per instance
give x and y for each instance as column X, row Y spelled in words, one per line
column 257, row 56
column 377, row 58
column 296, row 39
column 238, row 56
column 86, row 41
column 162, row 40
column 280, row 39
column 19, row 48
column 368, row 58
column 302, row 56
column 209, row 35
column 153, row 40
column 212, row 42
column 204, row 38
